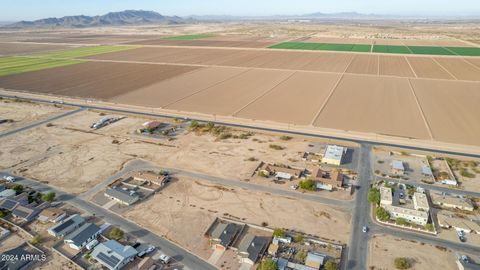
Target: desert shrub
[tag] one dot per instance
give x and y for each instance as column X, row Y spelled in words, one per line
column 402, row 263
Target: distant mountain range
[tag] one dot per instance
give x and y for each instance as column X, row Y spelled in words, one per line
column 127, row 17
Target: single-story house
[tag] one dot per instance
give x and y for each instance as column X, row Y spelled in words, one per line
column 126, row 197
column 82, row 236
column 334, row 155
column 282, row 172
column 113, row 255
column 149, row 177
column 224, row 234
column 327, row 180
column 452, row 202
column 67, row 226
column 314, row 260
column 252, row 247
column 448, row 220
column 7, row 193
column 397, row 167
column 25, row 213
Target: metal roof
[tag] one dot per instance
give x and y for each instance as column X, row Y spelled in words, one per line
column 111, row 253
column 82, row 234
column 122, row 195
column 72, row 220
column 253, row 246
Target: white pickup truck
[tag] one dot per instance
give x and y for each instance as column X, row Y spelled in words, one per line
column 9, row 178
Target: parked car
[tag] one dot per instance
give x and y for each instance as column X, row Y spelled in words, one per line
column 9, row 178
column 165, row 259
column 465, row 259
column 364, row 229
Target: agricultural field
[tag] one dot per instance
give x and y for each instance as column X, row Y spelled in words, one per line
column 394, row 49
column 14, row 65
column 84, row 51
column 190, row 37
column 18, row 48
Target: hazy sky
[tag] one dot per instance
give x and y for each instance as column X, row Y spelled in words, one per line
column 11, row 10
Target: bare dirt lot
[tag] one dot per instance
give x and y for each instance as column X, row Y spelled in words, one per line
column 193, row 205
column 450, row 107
column 93, row 80
column 384, row 249
column 371, row 104
column 23, row 113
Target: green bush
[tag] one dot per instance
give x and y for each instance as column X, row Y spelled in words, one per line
column 48, row 197
column 18, row 189
column 308, row 184
column 262, row 174
column 429, row 227
column 285, row 138
column 402, row 263
column 267, row 264
column 374, row 196
column 279, row 232
column 298, row 238
column 402, row 222
column 36, row 240
column 300, row 256
column 116, row 234
column 382, row 214
column 276, row 147
column 331, row 265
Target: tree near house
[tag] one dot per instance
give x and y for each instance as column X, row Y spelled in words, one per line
column 49, row 196
column 374, row 196
column 308, row 184
column 18, row 189
column 402, row 263
column 267, row 264
column 279, row 232
column 331, row 265
column 382, row 214
column 116, row 234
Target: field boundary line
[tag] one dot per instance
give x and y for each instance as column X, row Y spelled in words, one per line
column 425, row 121
column 444, row 68
column 206, row 88
column 265, row 93
column 378, row 65
column 410, row 65
column 470, row 63
column 331, row 92
column 454, row 53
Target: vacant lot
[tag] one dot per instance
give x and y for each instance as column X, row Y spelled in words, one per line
column 450, row 107
column 384, row 249
column 370, row 104
column 193, row 205
column 93, row 79
column 23, row 113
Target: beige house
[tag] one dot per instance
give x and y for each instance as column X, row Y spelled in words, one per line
column 385, row 196
column 420, row 201
column 411, row 215
column 452, row 202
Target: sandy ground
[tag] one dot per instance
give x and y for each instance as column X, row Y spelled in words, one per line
column 428, row 68
column 364, row 64
column 193, row 205
column 23, row 113
column 460, row 68
column 55, row 262
column 384, row 249
column 395, row 66
column 371, row 105
column 11, row 241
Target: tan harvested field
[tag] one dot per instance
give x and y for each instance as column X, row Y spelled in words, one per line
column 427, row 68
column 92, row 79
column 227, row 97
column 339, row 40
column 25, row 48
column 167, row 92
column 205, row 43
column 364, row 64
column 310, row 89
column 377, row 105
column 395, row 66
column 460, row 68
column 194, row 204
column 384, row 249
column 451, row 109
column 475, row 61
column 329, row 62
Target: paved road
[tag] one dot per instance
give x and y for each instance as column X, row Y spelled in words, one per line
column 432, row 187
column 357, row 250
column 38, row 123
column 179, row 254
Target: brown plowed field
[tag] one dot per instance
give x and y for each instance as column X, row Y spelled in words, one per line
column 339, row 40
column 288, row 61
column 427, row 68
column 295, row 101
column 475, row 61
column 375, row 105
column 395, row 66
column 26, row 48
column 364, row 64
column 460, row 68
column 329, row 62
column 397, row 42
column 168, row 91
column 451, row 109
column 92, row 80
column 228, row 97
column 205, row 43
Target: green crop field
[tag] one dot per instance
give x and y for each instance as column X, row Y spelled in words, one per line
column 465, row 51
column 85, row 51
column 14, row 65
column 432, row 50
column 189, row 37
column 391, row 49
column 322, row 46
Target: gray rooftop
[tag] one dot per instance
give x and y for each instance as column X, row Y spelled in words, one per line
column 253, row 246
column 122, row 195
column 426, row 170
column 397, row 165
column 82, row 234
column 111, row 253
column 226, row 232
column 8, row 204
column 67, row 223
column 315, row 257
column 17, row 264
